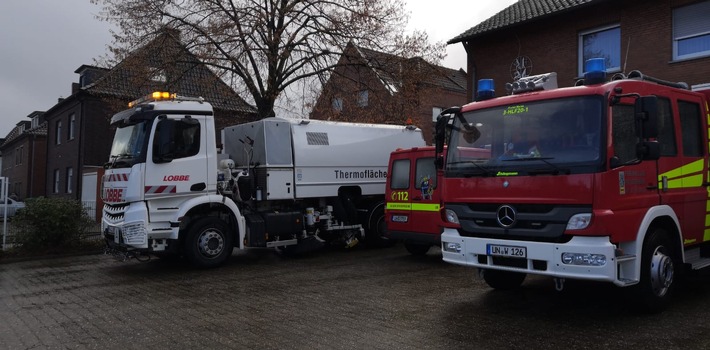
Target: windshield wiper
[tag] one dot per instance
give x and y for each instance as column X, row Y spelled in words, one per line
column 486, row 171
column 555, row 169
column 115, row 162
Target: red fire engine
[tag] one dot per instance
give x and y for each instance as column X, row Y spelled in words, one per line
column 604, row 181
column 413, row 200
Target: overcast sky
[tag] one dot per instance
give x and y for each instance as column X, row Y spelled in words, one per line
column 42, row 43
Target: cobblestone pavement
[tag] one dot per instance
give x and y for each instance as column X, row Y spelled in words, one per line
column 361, row 299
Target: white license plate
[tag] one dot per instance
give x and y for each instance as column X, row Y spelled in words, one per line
column 506, row 250
column 400, row 218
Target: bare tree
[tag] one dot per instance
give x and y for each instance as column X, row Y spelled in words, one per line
column 264, row 47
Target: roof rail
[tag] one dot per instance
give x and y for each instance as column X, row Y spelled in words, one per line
column 638, row 75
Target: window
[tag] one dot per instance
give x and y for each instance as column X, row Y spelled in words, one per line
column 70, row 179
column 691, row 31
column 400, row 174
column 623, row 130
column 362, row 98
column 435, row 111
column 72, row 123
column 425, row 174
column 55, row 188
column 337, row 104
column 691, row 128
column 176, row 139
column 666, row 129
column 601, row 43
column 58, row 133
column 18, row 155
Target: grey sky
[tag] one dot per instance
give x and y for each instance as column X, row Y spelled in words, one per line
column 42, row 43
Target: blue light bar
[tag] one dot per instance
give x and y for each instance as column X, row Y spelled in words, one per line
column 594, row 71
column 486, row 89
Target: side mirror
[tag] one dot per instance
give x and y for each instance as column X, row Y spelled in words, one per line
column 646, row 109
column 648, row 150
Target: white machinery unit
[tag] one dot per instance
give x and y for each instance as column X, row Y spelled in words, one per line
column 290, row 184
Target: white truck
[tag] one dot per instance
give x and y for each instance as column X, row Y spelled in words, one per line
column 286, row 183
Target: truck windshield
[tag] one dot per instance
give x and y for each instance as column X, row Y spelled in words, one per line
column 129, row 144
column 560, row 136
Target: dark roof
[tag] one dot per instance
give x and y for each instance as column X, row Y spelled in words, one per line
column 388, row 66
column 520, row 12
column 183, row 73
column 23, row 128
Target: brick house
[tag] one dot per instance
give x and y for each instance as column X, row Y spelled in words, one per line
column 79, row 135
column 375, row 87
column 669, row 40
column 24, row 157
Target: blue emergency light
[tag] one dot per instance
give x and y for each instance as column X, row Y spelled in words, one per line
column 486, row 89
column 594, row 71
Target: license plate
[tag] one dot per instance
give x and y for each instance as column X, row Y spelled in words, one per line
column 400, row 218
column 506, row 250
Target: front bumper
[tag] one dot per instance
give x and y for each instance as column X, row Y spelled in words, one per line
column 542, row 258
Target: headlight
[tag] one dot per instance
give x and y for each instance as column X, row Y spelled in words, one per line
column 451, row 247
column 451, row 216
column 583, row 259
column 579, row 221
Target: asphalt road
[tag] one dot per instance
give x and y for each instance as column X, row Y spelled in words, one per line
column 360, row 299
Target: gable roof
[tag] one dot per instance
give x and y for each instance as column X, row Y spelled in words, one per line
column 165, row 63
column 520, row 12
column 387, row 68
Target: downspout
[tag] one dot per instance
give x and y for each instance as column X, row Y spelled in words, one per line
column 471, row 71
column 32, row 167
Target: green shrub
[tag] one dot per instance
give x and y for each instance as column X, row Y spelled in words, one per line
column 50, row 224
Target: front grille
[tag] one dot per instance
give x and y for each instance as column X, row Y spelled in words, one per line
column 114, row 213
column 540, row 223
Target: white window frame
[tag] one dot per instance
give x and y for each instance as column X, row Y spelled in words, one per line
column 363, row 98
column 435, row 111
column 58, row 133
column 337, row 104
column 580, row 47
column 70, row 179
column 72, row 123
column 55, row 189
column 690, row 21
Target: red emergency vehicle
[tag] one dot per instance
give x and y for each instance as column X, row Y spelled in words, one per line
column 413, row 200
column 604, row 181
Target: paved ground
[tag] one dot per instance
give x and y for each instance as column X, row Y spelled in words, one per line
column 361, row 299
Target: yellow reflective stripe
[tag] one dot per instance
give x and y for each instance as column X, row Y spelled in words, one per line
column 677, row 177
column 399, row 206
column 425, row 207
column 706, row 237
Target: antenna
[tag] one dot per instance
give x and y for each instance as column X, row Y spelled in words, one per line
column 626, row 57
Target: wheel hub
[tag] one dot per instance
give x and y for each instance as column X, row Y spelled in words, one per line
column 210, row 243
column 661, row 272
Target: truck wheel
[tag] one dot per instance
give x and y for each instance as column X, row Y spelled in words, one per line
column 503, row 280
column 208, row 243
column 657, row 272
column 376, row 235
column 417, row 249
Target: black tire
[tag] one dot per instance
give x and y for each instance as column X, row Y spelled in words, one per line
column 417, row 249
column 658, row 271
column 503, row 280
column 376, row 234
column 208, row 243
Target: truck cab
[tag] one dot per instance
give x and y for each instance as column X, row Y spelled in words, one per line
column 603, row 181
column 413, row 199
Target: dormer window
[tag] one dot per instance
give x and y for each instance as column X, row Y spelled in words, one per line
column 158, row 75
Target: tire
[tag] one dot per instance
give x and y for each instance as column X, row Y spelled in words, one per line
column 208, row 243
column 503, row 280
column 658, row 271
column 376, row 235
column 417, row 249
